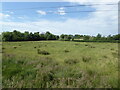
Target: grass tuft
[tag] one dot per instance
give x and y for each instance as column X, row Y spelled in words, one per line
column 66, row 51
column 71, row 61
column 43, row 52
column 86, row 58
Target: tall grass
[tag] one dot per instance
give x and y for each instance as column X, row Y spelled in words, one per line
column 81, row 67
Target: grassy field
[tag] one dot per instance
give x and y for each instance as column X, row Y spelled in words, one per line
column 59, row 64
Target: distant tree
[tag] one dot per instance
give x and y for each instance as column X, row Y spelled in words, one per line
column 62, row 36
column 99, row 36
column 86, row 37
column 7, row 36
column 42, row 37
column 16, row 35
column 36, row 36
column 76, row 36
column 26, row 36
column 116, row 37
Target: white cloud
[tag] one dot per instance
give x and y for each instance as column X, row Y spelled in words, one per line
column 21, row 17
column 61, row 8
column 4, row 16
column 70, row 26
column 41, row 12
column 98, row 22
column 10, row 12
column 61, row 11
column 108, row 19
column 91, row 1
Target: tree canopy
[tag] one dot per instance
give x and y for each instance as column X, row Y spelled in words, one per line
column 36, row 36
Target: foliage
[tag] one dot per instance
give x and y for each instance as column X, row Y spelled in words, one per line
column 26, row 36
column 81, row 67
column 29, row 36
column 43, row 52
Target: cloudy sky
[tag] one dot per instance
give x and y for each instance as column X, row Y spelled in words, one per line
column 88, row 17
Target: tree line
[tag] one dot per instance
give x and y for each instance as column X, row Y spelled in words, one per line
column 36, row 36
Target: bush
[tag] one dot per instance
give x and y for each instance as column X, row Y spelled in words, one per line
column 71, row 61
column 86, row 45
column 66, row 51
column 86, row 59
column 35, row 47
column 3, row 48
column 105, row 56
column 43, row 52
column 76, row 44
column 112, row 49
column 92, row 47
column 14, row 47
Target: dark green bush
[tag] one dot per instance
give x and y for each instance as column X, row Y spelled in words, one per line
column 86, row 58
column 14, row 47
column 105, row 56
column 71, row 61
column 66, row 51
column 35, row 47
column 3, row 48
column 86, row 45
column 92, row 47
column 43, row 52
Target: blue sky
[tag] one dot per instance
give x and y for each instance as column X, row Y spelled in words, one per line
column 53, row 17
column 29, row 9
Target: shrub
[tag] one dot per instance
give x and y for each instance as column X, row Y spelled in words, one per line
column 35, row 47
column 71, row 61
column 66, row 51
column 45, row 45
column 3, row 48
column 112, row 49
column 76, row 44
column 92, row 47
column 43, row 52
column 14, row 47
column 86, row 45
column 86, row 59
column 105, row 56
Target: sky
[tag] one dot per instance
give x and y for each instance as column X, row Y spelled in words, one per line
column 65, row 17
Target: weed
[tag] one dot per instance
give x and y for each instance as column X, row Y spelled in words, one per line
column 86, row 58
column 112, row 49
column 92, row 47
column 71, row 61
column 3, row 48
column 105, row 56
column 86, row 45
column 14, row 47
column 35, row 47
column 66, row 51
column 43, row 52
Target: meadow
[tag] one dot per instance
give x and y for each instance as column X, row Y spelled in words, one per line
column 59, row 64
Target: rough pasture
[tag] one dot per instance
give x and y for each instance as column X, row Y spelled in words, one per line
column 69, row 64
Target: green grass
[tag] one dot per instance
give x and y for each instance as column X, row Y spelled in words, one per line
column 68, row 64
